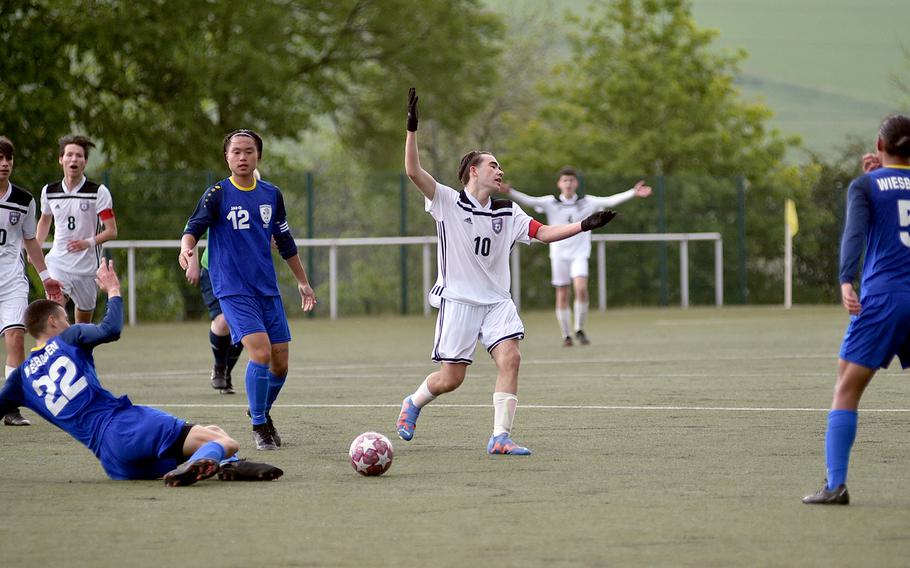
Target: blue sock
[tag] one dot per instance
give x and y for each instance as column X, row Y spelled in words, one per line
column 275, row 384
column 233, row 458
column 212, row 450
column 838, row 441
column 257, row 390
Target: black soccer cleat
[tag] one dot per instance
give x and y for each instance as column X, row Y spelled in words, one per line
column 190, row 472
column 15, row 418
column 262, row 436
column 824, row 496
column 567, row 341
column 582, row 338
column 244, row 470
column 228, row 388
column 219, row 378
column 268, row 420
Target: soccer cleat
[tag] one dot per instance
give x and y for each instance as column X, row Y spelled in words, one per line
column 262, row 436
column 15, row 418
column 407, row 419
column 504, row 445
column 189, row 473
column 567, row 341
column 824, row 496
column 228, row 388
column 219, row 378
column 582, row 338
column 243, row 470
column 268, row 420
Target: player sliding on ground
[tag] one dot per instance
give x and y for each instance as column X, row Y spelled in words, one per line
column 476, row 234
column 59, row 383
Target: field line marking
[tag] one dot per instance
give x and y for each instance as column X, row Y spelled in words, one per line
column 548, row 407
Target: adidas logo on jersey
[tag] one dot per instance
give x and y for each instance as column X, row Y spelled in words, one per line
column 468, row 221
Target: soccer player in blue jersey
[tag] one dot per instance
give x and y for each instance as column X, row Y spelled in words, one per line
column 59, row 383
column 878, row 211
column 243, row 215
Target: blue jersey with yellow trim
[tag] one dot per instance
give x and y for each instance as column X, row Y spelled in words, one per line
column 58, row 381
column 878, row 211
column 241, row 222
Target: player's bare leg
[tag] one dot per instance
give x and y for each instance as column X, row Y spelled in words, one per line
column 580, row 284
column 278, row 372
column 15, row 355
column 563, row 314
column 852, row 380
column 505, row 399
column 448, row 378
column 82, row 316
column 257, row 387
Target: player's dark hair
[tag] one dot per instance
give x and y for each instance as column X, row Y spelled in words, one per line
column 567, row 171
column 78, row 140
column 895, row 133
column 469, row 160
column 244, row 132
column 36, row 315
column 7, row 150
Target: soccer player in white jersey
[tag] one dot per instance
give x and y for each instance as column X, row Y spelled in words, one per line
column 17, row 230
column 569, row 258
column 83, row 216
column 476, row 234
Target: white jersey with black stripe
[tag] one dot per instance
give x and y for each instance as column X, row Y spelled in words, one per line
column 474, row 246
column 560, row 211
column 17, row 223
column 75, row 214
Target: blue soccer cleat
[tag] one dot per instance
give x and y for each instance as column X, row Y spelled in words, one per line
column 503, row 445
column 407, row 419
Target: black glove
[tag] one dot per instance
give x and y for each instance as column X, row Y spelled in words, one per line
column 597, row 220
column 412, row 109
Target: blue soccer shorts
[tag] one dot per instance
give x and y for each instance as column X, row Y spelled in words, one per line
column 136, row 443
column 879, row 332
column 208, row 295
column 256, row 314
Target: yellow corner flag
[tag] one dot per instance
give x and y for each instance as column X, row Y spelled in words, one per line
column 790, row 217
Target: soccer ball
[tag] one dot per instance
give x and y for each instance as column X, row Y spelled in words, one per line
column 371, row 454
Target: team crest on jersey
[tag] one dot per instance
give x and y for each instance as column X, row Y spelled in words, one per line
column 13, row 217
column 497, row 225
column 265, row 211
column 83, row 206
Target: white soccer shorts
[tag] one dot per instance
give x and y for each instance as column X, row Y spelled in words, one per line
column 459, row 327
column 12, row 313
column 81, row 289
column 565, row 269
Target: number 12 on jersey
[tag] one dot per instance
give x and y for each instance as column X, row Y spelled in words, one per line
column 239, row 218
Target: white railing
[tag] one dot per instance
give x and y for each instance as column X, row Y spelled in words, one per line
column 427, row 243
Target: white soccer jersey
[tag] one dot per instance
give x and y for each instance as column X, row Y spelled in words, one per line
column 474, row 246
column 17, row 223
column 560, row 212
column 76, row 217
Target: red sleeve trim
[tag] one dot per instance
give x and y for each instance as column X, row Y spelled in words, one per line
column 534, row 227
column 106, row 214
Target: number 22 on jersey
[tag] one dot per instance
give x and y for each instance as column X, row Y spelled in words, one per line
column 46, row 387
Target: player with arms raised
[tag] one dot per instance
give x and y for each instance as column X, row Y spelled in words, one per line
column 476, row 234
column 83, row 216
column 243, row 215
column 878, row 211
column 17, row 230
column 569, row 257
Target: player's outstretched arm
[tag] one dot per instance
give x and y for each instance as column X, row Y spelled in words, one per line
column 88, row 335
column 307, row 294
column 36, row 256
column 421, row 178
column 551, row 233
column 639, row 190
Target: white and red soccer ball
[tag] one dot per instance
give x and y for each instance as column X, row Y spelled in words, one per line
column 371, row 454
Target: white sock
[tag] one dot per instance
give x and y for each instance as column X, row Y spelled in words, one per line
column 504, row 405
column 581, row 315
column 9, row 370
column 422, row 396
column 563, row 316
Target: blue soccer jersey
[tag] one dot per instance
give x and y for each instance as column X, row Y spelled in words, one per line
column 241, row 222
column 878, row 211
column 58, row 381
